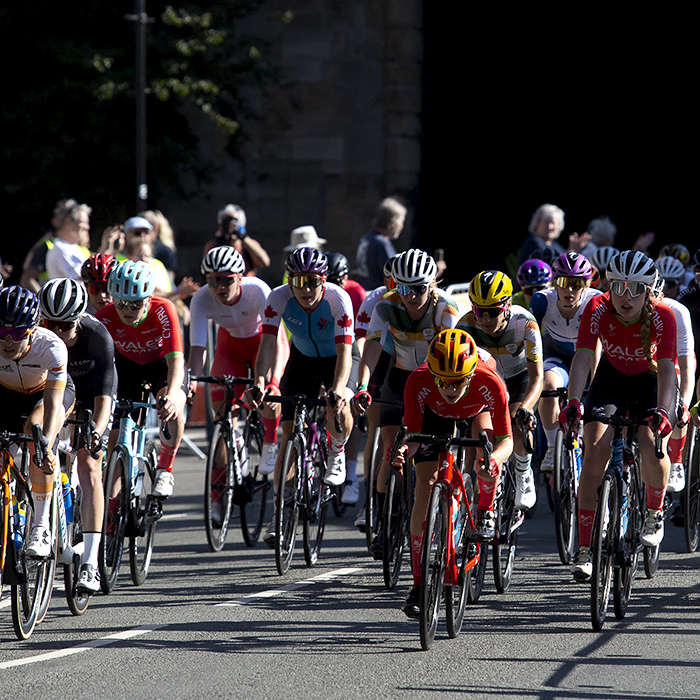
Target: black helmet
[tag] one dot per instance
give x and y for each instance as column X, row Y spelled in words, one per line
column 337, row 267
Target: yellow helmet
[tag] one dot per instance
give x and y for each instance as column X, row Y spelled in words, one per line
column 452, row 354
column 490, row 288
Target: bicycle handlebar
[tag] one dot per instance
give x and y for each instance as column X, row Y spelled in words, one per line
column 619, row 421
column 444, row 442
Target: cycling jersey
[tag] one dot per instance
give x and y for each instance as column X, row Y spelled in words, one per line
column 411, row 338
column 156, row 336
column 242, row 319
column 622, row 343
column 685, row 343
column 45, row 361
column 315, row 333
column 559, row 333
column 91, row 360
column 364, row 316
column 519, row 344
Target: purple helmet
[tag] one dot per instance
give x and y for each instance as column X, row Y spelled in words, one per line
column 534, row 272
column 572, row 265
column 306, row 261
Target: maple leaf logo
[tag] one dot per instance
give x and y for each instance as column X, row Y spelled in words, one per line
column 345, row 321
column 363, row 317
column 322, row 324
column 270, row 312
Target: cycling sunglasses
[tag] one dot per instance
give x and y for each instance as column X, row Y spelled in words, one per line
column 63, row 326
column 405, row 289
column 96, row 288
column 16, row 334
column 217, row 280
column 454, row 383
column 489, row 311
column 122, row 304
column 301, row 281
column 573, row 282
column 634, row 289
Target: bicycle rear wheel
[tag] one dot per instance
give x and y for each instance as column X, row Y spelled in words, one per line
column 5, row 515
column 691, row 495
column 372, row 514
column 476, row 576
column 433, row 564
column 287, row 505
column 456, row 596
column 144, row 519
column 256, row 484
column 316, row 495
column 218, row 486
column 77, row 601
column 506, row 541
column 116, row 484
column 603, row 549
column 564, row 500
column 394, row 530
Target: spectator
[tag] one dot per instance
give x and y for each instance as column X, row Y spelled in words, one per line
column 304, row 237
column 546, row 226
column 66, row 256
column 163, row 240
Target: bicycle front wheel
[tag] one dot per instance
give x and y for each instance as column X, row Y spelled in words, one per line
column 603, row 549
column 456, row 596
column 394, row 530
column 433, row 562
column 315, row 503
column 218, row 486
column 623, row 575
column 506, row 541
column 692, row 491
column 256, row 484
column 564, row 500
column 372, row 514
column 77, row 601
column 116, row 484
column 287, row 504
column 144, row 519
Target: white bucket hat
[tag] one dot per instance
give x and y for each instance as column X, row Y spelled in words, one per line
column 304, row 237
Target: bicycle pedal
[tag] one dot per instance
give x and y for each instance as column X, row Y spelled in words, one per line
column 154, row 508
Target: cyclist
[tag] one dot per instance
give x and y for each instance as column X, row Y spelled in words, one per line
column 635, row 374
column 91, row 366
column 453, row 384
column 34, row 380
column 681, row 253
column 533, row 276
column 672, row 272
column 95, row 273
column 558, row 313
column 147, row 336
column 600, row 259
column 411, row 315
column 511, row 334
column 319, row 316
column 237, row 304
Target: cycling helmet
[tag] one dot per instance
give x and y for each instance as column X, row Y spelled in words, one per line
column 670, row 267
column 63, row 300
column 696, row 259
column 97, row 268
column 632, row 266
column 413, row 267
column 387, row 269
column 572, row 265
column 223, row 258
column 602, row 256
column 676, row 250
column 19, row 308
column 490, row 288
column 337, row 267
column 534, row 272
column 132, row 280
column 306, row 261
column 595, row 277
column 452, row 354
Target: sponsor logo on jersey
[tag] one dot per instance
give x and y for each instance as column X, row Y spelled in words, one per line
column 428, row 333
column 322, row 324
column 270, row 312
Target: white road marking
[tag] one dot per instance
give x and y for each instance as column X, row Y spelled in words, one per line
column 178, row 516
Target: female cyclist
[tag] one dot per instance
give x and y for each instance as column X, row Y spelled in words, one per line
column 533, row 276
column 95, row 273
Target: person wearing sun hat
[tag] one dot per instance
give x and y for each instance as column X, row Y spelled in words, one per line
column 304, row 237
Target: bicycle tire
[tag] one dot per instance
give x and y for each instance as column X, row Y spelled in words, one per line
column 394, row 532
column 505, row 542
column 564, row 500
column 477, row 575
column 255, row 482
column 143, row 520
column 5, row 515
column 691, row 495
column 456, row 596
column 316, row 496
column 603, row 549
column 77, row 602
column 433, row 562
column 651, row 561
column 623, row 575
column 116, row 486
column 287, row 504
column 218, row 480
column 372, row 514
column 52, row 561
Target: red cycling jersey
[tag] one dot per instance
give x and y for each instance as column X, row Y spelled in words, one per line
column 622, row 343
column 487, row 392
column 157, row 336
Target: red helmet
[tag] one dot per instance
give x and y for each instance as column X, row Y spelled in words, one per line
column 97, row 268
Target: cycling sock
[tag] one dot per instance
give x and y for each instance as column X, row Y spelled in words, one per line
column 551, row 436
column 416, row 542
column 336, row 446
column 585, row 526
column 675, row 449
column 351, row 470
column 92, row 548
column 522, row 464
column 487, row 493
column 167, row 456
column 42, row 504
column 271, row 425
column 655, row 498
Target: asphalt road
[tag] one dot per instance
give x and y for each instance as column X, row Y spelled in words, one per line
column 226, row 625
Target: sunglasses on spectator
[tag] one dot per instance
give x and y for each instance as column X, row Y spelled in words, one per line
column 405, row 289
column 488, row 311
column 454, row 383
column 122, row 304
column 634, row 289
column 63, row 326
column 16, row 334
column 533, row 290
column 573, row 282
column 224, row 281
column 97, row 288
column 301, row 281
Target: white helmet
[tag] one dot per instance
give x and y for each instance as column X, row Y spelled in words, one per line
column 63, row 300
column 632, row 266
column 670, row 268
column 602, row 256
column 413, row 267
column 223, row 258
